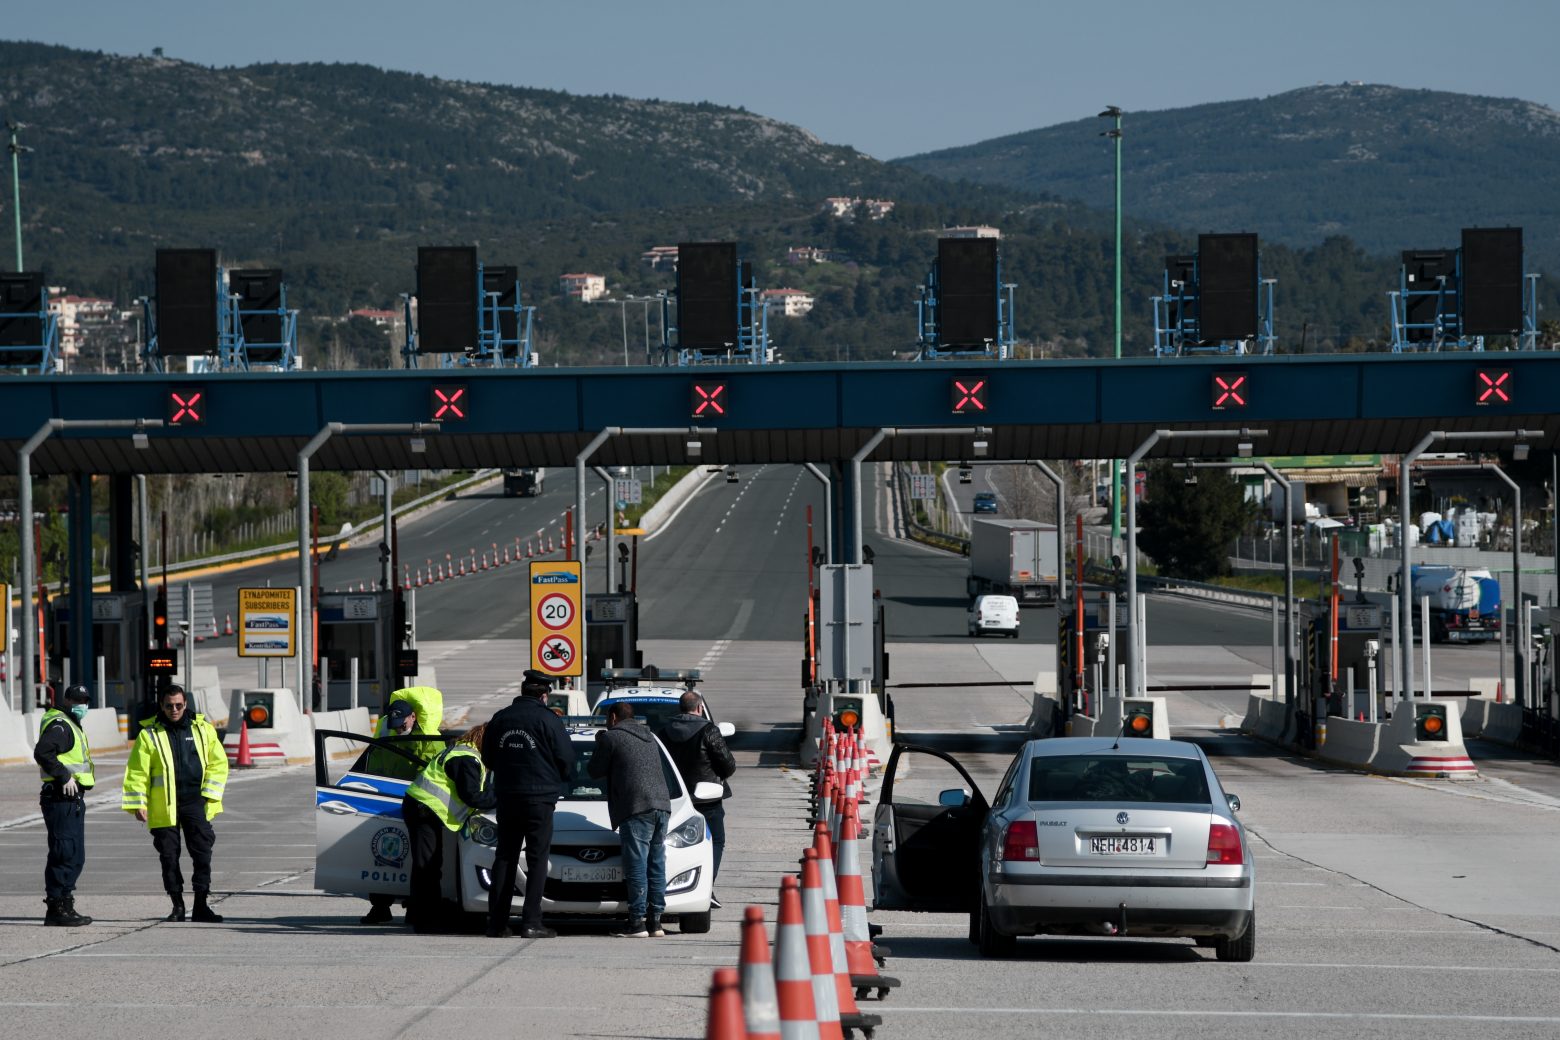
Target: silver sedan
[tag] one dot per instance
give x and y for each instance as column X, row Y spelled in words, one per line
column 1085, row 836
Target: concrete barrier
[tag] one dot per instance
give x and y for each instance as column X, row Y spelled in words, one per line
column 1475, row 713
column 1487, row 687
column 103, row 730
column 350, row 720
column 1502, row 723
column 667, row 505
column 16, row 743
column 1046, row 708
column 1401, row 753
column 1265, row 718
column 1350, row 743
column 288, row 740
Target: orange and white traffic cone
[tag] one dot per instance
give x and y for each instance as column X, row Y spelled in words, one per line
column 724, row 1021
column 851, row 1017
column 815, row 923
column 760, row 1010
column 793, row 971
column 245, row 759
column 227, row 625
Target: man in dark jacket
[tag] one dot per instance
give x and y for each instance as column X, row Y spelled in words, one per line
column 529, row 752
column 639, row 806
column 65, row 764
column 702, row 757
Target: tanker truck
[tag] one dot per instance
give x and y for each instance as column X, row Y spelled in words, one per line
column 1464, row 603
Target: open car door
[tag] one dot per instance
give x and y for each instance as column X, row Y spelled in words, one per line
column 926, row 833
column 361, row 845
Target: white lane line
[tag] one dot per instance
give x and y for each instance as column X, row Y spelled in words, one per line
column 1383, row 1016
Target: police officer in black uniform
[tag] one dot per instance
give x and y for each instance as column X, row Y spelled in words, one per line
column 529, row 751
column 65, row 760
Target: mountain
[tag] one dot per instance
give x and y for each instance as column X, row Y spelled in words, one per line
column 1392, row 169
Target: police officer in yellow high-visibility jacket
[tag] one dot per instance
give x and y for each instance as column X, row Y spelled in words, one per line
column 174, row 783
column 411, row 711
column 448, row 791
column 65, row 763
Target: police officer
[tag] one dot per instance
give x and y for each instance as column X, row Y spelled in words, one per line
column 411, row 711
column 65, row 760
column 531, row 756
column 449, row 791
column 174, row 783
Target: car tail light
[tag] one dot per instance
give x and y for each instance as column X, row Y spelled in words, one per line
column 1021, row 841
column 1224, row 845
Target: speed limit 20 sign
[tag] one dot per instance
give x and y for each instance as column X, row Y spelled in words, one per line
column 557, row 632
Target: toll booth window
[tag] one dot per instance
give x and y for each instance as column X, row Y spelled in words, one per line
column 343, row 642
column 108, row 641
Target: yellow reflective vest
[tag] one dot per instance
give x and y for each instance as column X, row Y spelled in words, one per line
column 149, row 777
column 79, row 758
column 433, row 789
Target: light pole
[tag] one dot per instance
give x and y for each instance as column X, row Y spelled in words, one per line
column 1134, row 658
column 16, row 151
column 1405, row 634
column 1112, row 112
column 828, row 510
column 25, row 516
column 1289, row 567
column 305, row 571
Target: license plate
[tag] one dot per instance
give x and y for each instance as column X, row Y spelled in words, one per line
column 1126, row 845
column 591, row 874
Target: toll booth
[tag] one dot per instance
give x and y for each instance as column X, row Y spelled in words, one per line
column 611, row 633
column 1098, row 643
column 1359, row 625
column 362, row 627
column 118, row 637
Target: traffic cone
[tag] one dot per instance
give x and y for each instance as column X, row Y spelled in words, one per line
column 760, row 1011
column 851, row 1016
column 227, row 625
column 793, row 973
column 815, row 924
column 861, row 957
column 245, row 759
column 506, row 554
column 462, row 573
column 418, row 585
column 725, row 1014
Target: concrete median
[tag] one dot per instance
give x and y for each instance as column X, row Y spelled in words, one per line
column 1350, row 743
column 1402, row 752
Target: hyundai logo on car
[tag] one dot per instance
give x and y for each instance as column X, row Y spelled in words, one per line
column 592, row 855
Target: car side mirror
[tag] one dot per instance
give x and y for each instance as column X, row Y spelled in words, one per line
column 705, row 791
column 1234, row 800
column 726, row 729
column 954, row 798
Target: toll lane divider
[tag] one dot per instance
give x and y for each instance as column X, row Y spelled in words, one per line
column 1400, row 746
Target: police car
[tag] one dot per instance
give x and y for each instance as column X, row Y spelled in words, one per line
column 655, row 694
column 362, row 846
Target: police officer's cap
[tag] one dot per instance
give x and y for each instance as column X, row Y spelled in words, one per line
column 76, row 693
column 535, row 683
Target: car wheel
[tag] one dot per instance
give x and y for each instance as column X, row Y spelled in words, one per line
column 1242, row 949
column 992, row 942
column 693, row 924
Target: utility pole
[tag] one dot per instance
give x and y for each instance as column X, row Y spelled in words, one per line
column 16, row 183
column 1114, row 113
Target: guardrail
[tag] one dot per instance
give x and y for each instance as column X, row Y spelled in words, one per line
column 1216, row 593
column 918, row 532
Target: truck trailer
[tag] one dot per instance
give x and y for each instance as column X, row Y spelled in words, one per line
column 1013, row 558
column 1464, row 603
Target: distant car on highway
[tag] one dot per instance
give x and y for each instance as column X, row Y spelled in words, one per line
column 1088, row 836
column 985, row 502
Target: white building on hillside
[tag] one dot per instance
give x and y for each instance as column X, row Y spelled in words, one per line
column 788, row 303
column 584, row 287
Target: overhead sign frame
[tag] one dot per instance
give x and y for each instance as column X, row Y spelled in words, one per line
column 557, row 618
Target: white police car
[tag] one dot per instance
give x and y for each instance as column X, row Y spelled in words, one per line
column 362, row 846
column 654, row 695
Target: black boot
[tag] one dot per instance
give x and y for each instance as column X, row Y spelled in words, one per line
column 203, row 914
column 76, row 919
column 60, row 917
column 178, row 907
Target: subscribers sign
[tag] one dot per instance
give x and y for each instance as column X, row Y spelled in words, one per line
column 267, row 622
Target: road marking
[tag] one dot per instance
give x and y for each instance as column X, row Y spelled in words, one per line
column 1384, row 1016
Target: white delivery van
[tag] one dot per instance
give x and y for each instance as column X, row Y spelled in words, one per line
column 994, row 614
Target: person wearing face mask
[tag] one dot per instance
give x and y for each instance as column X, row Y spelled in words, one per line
column 411, row 711
column 65, row 760
column 173, row 784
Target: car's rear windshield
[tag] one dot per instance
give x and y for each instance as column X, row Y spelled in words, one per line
column 1116, row 778
column 582, row 787
column 653, row 713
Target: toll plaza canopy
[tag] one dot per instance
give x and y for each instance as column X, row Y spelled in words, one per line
column 1086, row 409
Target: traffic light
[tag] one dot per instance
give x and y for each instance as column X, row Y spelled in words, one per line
column 1229, row 391
column 160, row 620
column 1430, row 722
column 707, row 399
column 1492, row 386
column 186, row 406
column 259, row 709
column 967, row 395
column 449, row 402
column 1139, row 721
column 847, row 712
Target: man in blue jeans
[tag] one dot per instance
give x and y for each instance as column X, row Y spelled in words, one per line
column 638, row 804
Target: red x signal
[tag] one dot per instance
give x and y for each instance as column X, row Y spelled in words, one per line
column 968, row 395
column 186, row 406
column 449, row 402
column 709, row 400
column 1229, row 390
column 1492, row 386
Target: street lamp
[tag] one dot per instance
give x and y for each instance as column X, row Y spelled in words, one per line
column 25, row 511
column 16, row 183
column 1114, row 113
column 305, row 572
column 1135, row 656
column 828, row 510
column 1405, row 634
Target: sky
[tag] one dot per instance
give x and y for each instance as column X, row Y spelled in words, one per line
column 889, row 77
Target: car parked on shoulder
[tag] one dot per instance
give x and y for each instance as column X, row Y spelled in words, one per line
column 1084, row 836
